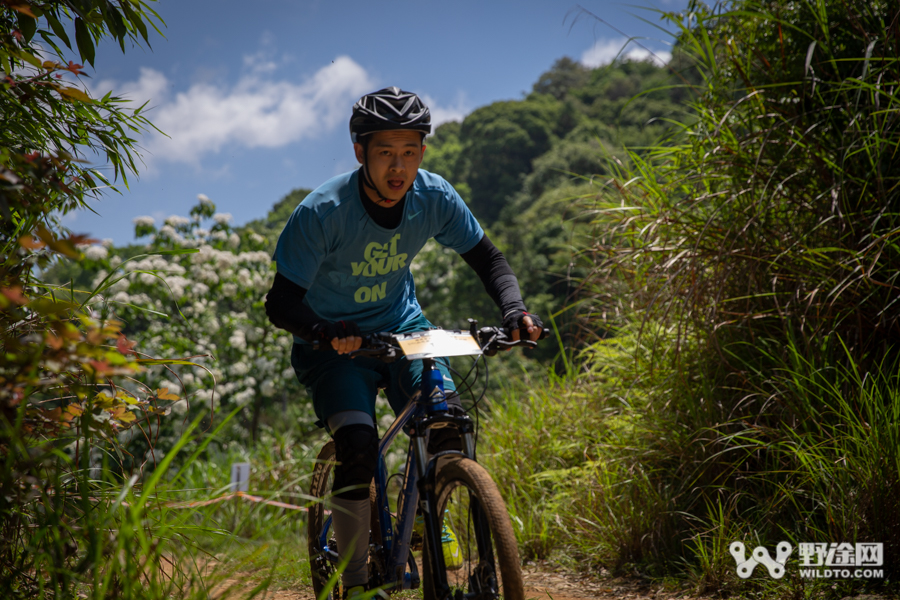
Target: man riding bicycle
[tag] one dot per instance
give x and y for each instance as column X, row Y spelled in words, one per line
column 343, row 271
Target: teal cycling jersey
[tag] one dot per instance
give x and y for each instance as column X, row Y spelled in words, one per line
column 352, row 268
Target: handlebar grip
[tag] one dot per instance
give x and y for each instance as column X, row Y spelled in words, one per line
column 545, row 333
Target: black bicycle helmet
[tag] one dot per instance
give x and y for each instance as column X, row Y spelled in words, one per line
column 387, row 109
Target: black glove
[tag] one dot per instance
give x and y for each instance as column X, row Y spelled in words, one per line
column 325, row 331
column 516, row 320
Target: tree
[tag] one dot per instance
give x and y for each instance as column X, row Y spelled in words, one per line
column 64, row 357
column 565, row 75
column 500, row 141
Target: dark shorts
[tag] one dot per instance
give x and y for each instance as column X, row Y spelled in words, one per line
column 337, row 383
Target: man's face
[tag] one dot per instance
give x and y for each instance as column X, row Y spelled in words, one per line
column 393, row 160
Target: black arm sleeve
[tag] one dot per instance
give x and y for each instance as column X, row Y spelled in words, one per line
column 286, row 310
column 495, row 273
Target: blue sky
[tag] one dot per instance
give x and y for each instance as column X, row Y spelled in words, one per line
column 255, row 96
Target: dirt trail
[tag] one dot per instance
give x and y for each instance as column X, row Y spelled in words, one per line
column 541, row 583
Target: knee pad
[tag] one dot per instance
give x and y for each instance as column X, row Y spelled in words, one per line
column 356, row 453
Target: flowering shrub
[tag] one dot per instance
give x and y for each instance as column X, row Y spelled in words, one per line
column 199, row 293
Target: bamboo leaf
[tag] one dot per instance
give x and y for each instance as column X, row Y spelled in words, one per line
column 84, row 41
column 72, row 93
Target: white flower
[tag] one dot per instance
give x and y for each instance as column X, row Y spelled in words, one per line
column 219, row 235
column 225, row 260
column 229, row 289
column 167, row 231
column 121, row 285
column 108, row 242
column 243, row 397
column 176, row 221
column 244, row 278
column 256, row 238
column 148, row 278
column 207, row 275
column 122, row 297
column 98, row 279
column 144, row 221
column 204, row 199
column 239, row 369
column 234, row 240
column 180, row 407
column 187, row 379
column 264, row 365
column 237, row 340
column 223, row 218
column 95, row 252
column 115, row 261
column 203, row 395
column 141, row 299
column 268, row 389
column 201, row 232
column 254, row 334
column 258, row 256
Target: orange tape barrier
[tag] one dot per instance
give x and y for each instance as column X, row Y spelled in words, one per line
column 244, row 495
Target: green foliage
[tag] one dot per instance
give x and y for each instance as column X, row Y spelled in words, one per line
column 501, row 141
column 522, row 165
column 565, row 75
column 48, row 121
column 754, row 252
column 73, row 523
column 273, row 223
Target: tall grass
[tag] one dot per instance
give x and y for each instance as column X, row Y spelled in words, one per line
column 84, row 532
column 750, row 391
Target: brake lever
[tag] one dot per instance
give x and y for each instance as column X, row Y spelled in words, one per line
column 513, row 344
column 386, row 353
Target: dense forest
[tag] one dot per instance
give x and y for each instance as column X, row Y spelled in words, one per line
column 713, row 241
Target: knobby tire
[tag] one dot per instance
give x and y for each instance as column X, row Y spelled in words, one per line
column 468, row 499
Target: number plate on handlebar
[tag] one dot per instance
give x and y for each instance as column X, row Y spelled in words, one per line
column 437, row 342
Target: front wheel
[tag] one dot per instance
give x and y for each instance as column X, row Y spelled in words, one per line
column 479, row 547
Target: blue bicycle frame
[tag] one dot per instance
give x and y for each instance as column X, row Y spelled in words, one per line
column 428, row 409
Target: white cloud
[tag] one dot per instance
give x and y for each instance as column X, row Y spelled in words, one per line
column 604, row 52
column 257, row 111
column 442, row 114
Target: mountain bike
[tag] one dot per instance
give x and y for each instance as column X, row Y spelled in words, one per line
column 449, row 488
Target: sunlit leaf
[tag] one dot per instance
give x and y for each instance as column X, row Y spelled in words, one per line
column 163, row 394
column 24, row 9
column 125, row 346
column 14, row 294
column 75, row 93
column 46, row 306
column 30, row 243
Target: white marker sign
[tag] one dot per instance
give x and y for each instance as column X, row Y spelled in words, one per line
column 240, row 477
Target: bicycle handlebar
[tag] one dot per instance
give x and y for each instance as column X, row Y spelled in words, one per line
column 491, row 340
